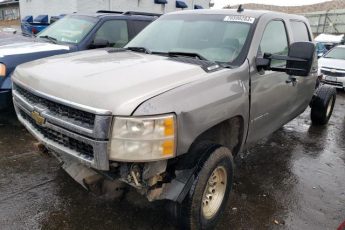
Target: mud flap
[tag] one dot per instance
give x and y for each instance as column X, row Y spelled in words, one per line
column 178, row 188
column 78, row 171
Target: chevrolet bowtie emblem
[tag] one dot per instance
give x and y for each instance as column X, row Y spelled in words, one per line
column 38, row 118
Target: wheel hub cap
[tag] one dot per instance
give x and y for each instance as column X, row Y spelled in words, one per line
column 214, row 192
column 329, row 107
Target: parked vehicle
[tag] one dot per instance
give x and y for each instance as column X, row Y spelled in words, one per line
column 330, row 40
column 32, row 26
column 70, row 34
column 167, row 113
column 332, row 67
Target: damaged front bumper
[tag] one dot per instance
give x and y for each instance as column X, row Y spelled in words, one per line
column 78, row 135
column 155, row 180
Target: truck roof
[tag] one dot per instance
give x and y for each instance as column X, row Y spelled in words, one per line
column 245, row 12
column 104, row 13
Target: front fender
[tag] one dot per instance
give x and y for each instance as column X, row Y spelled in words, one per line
column 202, row 104
column 178, row 188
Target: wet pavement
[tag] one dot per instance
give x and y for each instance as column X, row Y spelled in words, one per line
column 294, row 179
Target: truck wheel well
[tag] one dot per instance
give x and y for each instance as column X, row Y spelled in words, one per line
column 228, row 133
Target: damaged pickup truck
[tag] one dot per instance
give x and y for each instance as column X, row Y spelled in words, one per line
column 167, row 113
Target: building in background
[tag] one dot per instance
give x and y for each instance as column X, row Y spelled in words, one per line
column 57, row 7
column 9, row 10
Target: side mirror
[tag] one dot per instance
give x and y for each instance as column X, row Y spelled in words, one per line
column 304, row 51
column 298, row 62
column 99, row 43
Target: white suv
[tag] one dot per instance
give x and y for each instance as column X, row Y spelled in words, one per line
column 332, row 67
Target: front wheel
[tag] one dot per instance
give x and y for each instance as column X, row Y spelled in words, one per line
column 209, row 194
column 322, row 105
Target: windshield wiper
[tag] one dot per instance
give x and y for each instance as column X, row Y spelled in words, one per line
column 224, row 65
column 51, row 39
column 187, row 54
column 139, row 49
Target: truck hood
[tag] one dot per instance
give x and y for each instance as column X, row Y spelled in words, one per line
column 332, row 63
column 118, row 81
column 7, row 38
column 29, row 47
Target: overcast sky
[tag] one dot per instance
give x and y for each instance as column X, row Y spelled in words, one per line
column 221, row 3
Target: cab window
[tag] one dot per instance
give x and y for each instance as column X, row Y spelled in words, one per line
column 139, row 25
column 274, row 41
column 115, row 32
column 299, row 31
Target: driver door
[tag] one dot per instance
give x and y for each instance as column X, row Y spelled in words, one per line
column 271, row 92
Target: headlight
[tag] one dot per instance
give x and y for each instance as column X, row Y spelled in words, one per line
column 2, row 70
column 143, row 139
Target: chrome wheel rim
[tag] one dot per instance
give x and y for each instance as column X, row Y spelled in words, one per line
column 214, row 192
column 329, row 107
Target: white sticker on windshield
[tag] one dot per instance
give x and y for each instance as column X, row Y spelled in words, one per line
column 239, row 18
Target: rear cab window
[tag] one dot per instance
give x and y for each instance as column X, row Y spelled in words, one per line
column 300, row 31
column 139, row 25
column 115, row 32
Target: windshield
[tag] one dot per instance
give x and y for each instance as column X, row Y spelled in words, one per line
column 208, row 36
column 70, row 29
column 336, row 53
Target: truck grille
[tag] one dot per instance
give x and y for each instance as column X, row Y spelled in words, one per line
column 337, row 84
column 85, row 150
column 333, row 73
column 64, row 127
column 65, row 112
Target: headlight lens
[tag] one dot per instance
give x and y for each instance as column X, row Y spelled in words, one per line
column 2, row 70
column 143, row 139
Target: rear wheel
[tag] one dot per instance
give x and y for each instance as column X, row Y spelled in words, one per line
column 322, row 105
column 209, row 194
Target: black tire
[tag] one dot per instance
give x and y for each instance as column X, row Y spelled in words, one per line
column 190, row 211
column 322, row 105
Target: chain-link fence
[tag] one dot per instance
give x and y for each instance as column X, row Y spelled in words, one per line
column 331, row 22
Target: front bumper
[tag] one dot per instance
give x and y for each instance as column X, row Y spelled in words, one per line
column 337, row 82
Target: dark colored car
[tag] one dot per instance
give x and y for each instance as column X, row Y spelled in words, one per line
column 72, row 33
